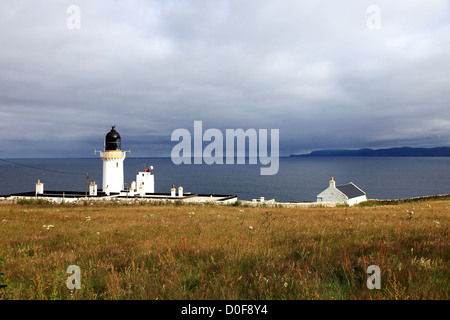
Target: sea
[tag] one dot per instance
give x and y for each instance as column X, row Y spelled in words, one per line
column 298, row 179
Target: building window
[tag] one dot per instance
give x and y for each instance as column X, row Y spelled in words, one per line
column 117, row 164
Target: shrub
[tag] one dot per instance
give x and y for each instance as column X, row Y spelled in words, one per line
column 238, row 203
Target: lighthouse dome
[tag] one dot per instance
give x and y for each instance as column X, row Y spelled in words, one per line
column 113, row 140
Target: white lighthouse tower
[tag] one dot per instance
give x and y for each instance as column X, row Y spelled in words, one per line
column 113, row 158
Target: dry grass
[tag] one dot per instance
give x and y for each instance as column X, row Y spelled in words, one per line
column 224, row 252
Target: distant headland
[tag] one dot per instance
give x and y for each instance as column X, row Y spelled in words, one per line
column 389, row 152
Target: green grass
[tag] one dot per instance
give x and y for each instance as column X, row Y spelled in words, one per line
column 143, row 251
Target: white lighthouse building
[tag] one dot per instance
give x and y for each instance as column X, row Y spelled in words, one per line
column 113, row 158
column 145, row 181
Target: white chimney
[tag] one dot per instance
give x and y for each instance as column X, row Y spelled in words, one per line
column 180, row 191
column 93, row 189
column 332, row 183
column 173, row 191
column 141, row 190
column 131, row 189
column 39, row 187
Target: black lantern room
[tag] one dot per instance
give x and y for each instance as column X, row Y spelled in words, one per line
column 113, row 140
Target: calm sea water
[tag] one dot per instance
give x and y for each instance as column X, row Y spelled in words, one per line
column 298, row 179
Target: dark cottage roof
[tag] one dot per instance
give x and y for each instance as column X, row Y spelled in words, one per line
column 350, row 190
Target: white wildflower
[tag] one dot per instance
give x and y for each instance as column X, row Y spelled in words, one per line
column 250, row 227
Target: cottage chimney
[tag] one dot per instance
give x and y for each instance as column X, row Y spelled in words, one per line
column 332, row 183
column 180, row 191
column 173, row 191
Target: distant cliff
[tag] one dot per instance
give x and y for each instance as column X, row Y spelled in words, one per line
column 391, row 152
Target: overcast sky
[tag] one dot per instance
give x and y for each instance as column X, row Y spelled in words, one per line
column 316, row 70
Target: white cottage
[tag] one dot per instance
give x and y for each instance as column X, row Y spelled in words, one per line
column 347, row 193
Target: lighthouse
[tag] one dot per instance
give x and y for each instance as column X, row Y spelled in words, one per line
column 113, row 158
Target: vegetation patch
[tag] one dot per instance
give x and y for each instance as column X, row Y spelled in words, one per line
column 234, row 252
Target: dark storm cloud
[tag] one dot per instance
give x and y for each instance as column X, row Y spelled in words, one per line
column 314, row 70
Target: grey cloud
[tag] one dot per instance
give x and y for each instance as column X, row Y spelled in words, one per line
column 311, row 69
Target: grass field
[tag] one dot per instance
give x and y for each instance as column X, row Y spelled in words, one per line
column 224, row 252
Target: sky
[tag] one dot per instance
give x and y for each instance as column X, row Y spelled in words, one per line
column 328, row 74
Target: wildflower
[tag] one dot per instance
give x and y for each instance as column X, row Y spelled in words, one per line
column 241, row 211
column 88, row 219
column 98, row 233
column 285, row 284
column 410, row 214
column 250, row 227
column 191, row 214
